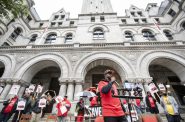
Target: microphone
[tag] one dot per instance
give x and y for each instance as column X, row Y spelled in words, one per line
column 116, row 83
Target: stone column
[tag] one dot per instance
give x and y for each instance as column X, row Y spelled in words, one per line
column 5, row 91
column 70, row 90
column 78, row 88
column 22, row 89
column 63, row 88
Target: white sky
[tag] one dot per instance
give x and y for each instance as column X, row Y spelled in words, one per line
column 45, row 8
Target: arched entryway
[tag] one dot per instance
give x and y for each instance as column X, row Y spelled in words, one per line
column 95, row 72
column 169, row 72
column 2, row 68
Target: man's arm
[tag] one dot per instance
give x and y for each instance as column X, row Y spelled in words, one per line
column 107, row 88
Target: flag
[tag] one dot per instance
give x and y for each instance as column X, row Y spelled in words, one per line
column 159, row 29
column 45, row 29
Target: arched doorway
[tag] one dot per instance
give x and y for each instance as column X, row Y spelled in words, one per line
column 169, row 72
column 95, row 72
column 2, row 68
column 48, row 78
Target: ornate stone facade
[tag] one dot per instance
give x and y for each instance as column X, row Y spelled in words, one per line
column 76, row 50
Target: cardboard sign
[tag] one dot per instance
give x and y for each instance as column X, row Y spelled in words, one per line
column 153, row 88
column 42, row 103
column 63, row 109
column 161, row 87
column 39, row 89
column 95, row 111
column 31, row 88
column 15, row 89
column 21, row 105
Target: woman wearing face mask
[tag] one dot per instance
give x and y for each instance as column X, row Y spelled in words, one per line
column 170, row 108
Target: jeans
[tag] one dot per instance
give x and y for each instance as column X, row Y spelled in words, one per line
column 61, row 119
column 115, row 119
column 4, row 117
column 173, row 118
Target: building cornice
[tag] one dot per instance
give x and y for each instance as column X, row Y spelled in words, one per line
column 175, row 45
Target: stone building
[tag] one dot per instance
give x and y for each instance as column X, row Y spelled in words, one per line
column 69, row 55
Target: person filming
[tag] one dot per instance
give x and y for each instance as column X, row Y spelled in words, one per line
column 111, row 107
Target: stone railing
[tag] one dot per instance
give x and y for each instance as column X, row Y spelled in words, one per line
column 93, row 45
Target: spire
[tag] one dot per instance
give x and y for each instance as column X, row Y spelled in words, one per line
column 96, row 6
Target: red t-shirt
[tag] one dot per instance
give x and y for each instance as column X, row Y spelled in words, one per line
column 10, row 106
column 138, row 102
column 67, row 103
column 152, row 103
column 94, row 101
column 110, row 106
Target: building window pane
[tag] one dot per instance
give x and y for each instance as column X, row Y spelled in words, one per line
column 148, row 35
column 183, row 25
column 98, row 34
column 168, row 34
column 129, row 36
column 123, row 21
column 68, row 38
column 33, row 39
column 5, row 44
column 92, row 19
column 102, row 18
column 16, row 33
column 51, row 39
column 172, row 12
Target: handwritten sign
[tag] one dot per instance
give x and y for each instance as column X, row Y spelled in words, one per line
column 39, row 89
column 14, row 90
column 21, row 105
column 31, row 88
column 42, row 103
column 153, row 88
column 161, row 87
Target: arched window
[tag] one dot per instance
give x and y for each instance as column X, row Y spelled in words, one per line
column 129, row 36
column 148, row 35
column 33, row 39
column 69, row 38
column 16, row 33
column 183, row 25
column 51, row 39
column 168, row 34
column 5, row 44
column 98, row 34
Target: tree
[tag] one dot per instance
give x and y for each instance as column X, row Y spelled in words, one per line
column 12, row 7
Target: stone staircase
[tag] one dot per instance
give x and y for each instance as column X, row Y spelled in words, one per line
column 71, row 118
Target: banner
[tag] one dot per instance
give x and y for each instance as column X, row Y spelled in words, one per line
column 21, row 105
column 15, row 89
column 95, row 111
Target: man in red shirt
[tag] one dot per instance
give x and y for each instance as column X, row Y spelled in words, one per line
column 111, row 107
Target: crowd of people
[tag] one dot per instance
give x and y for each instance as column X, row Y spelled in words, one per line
column 33, row 108
column 113, row 109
